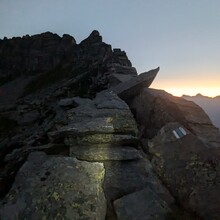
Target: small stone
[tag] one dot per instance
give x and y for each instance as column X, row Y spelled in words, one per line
column 68, row 102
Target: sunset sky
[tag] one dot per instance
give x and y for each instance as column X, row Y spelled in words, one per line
column 180, row 36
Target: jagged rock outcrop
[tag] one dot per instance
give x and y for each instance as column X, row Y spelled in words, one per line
column 131, row 88
column 29, row 64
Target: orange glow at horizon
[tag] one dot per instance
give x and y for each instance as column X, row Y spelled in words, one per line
column 211, row 89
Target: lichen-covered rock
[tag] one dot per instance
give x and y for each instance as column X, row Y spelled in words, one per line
column 56, row 188
column 139, row 175
column 100, row 129
column 189, row 168
column 104, row 153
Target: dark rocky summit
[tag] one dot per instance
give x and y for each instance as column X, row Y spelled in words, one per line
column 83, row 137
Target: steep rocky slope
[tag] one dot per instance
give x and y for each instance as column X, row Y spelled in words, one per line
column 82, row 137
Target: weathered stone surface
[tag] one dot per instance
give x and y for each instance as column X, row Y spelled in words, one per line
column 28, row 117
column 115, row 79
column 190, row 170
column 143, row 204
column 106, row 120
column 56, row 188
column 105, row 105
column 138, row 175
column 103, row 153
column 68, row 102
column 155, row 108
column 109, row 100
column 128, row 89
column 102, row 139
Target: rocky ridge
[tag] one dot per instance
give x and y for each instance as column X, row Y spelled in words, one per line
column 93, row 142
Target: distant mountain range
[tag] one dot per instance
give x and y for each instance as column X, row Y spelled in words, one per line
column 210, row 105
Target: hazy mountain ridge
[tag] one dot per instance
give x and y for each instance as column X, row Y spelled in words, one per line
column 209, row 104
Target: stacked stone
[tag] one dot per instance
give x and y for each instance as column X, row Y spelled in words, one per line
column 104, row 129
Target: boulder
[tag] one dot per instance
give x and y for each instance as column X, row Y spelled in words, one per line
column 139, row 175
column 56, row 188
column 143, row 204
column 189, row 168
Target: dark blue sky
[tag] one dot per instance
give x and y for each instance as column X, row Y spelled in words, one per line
column 180, row 36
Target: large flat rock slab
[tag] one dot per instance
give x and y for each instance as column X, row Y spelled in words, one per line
column 56, row 188
column 130, row 88
column 103, row 153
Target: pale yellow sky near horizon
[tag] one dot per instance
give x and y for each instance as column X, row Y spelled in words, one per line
column 177, row 87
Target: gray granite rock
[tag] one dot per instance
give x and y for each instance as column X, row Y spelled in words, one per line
column 129, row 89
column 56, row 188
column 104, row 153
column 144, row 204
column 189, row 169
column 102, row 139
column 139, row 175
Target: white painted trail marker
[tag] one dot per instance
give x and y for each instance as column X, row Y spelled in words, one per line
column 179, row 132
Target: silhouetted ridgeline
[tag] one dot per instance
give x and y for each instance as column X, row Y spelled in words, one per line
column 210, row 105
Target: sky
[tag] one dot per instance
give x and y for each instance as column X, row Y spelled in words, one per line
column 180, row 36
